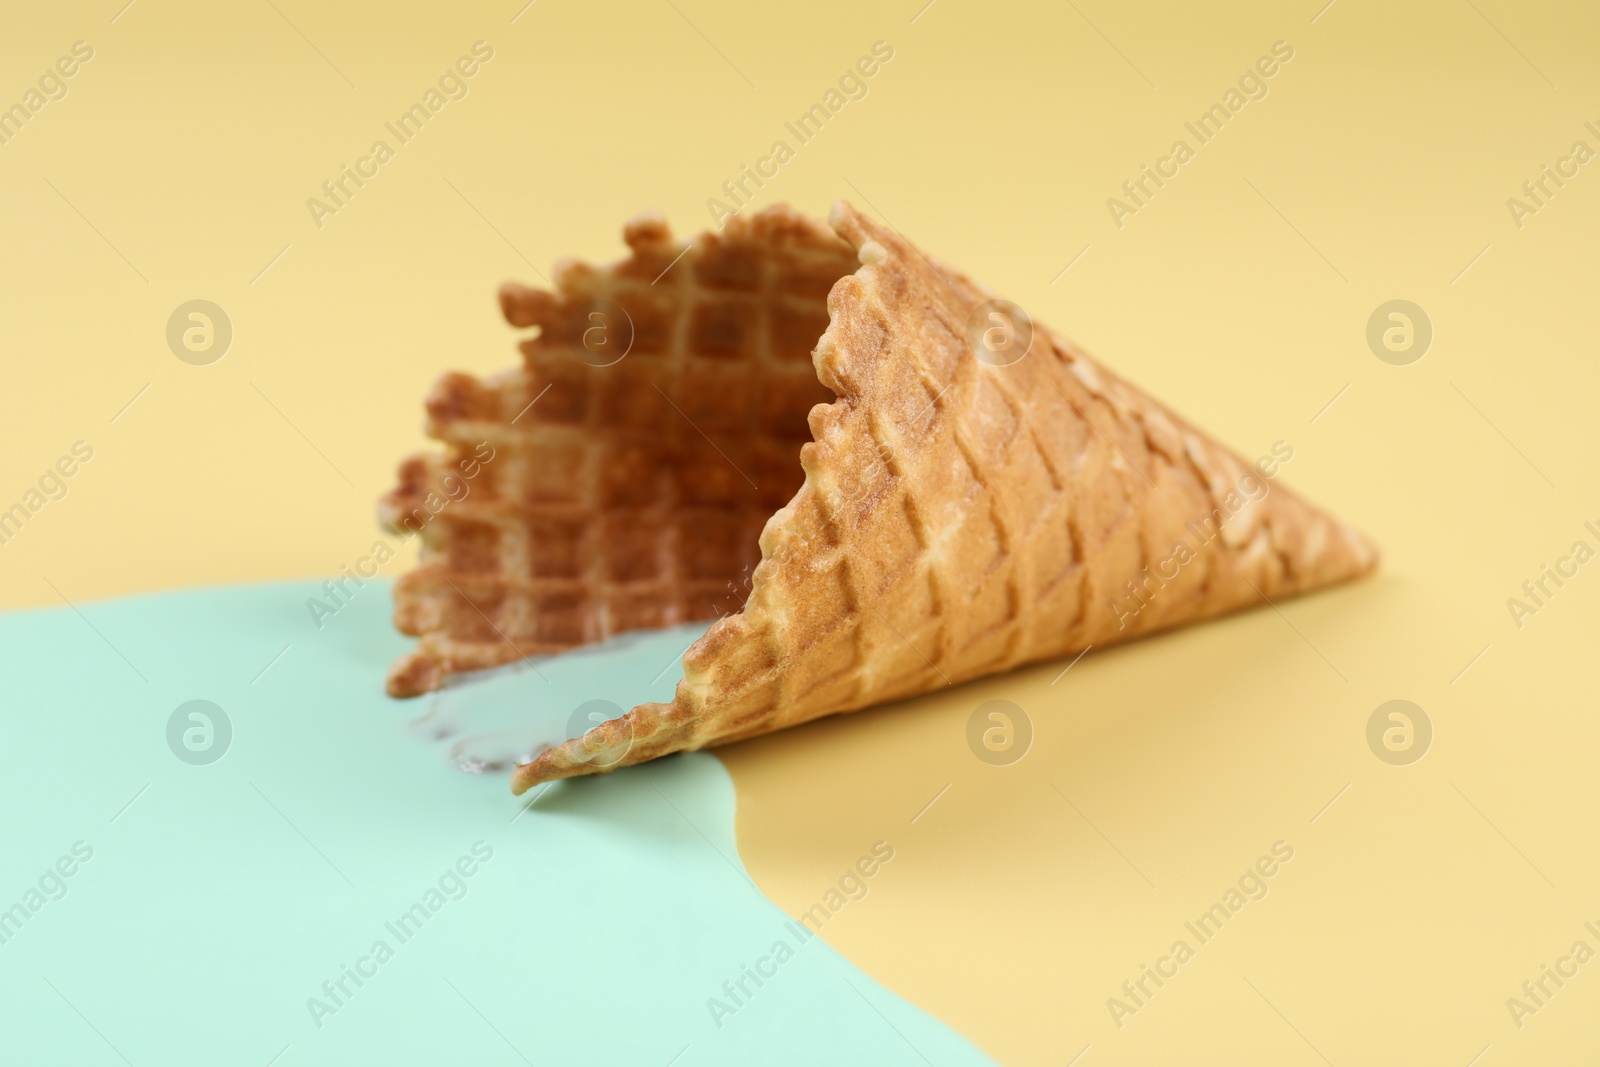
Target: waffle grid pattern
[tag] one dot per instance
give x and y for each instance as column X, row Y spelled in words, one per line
column 622, row 496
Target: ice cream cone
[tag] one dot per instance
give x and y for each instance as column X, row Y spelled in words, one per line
column 939, row 487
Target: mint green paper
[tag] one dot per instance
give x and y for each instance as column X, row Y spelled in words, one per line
column 220, row 898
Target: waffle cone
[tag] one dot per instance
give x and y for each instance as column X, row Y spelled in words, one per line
column 953, row 513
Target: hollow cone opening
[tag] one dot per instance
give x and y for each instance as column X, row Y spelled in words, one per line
column 620, row 479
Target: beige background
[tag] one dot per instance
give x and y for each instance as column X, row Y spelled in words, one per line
column 1377, row 167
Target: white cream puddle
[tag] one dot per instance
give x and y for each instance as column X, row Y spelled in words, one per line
column 487, row 722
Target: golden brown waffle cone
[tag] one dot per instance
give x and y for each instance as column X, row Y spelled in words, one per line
column 956, row 518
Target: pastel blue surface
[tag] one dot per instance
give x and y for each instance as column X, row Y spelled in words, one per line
column 219, row 899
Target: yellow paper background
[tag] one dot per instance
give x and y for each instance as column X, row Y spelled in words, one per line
column 1377, row 167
